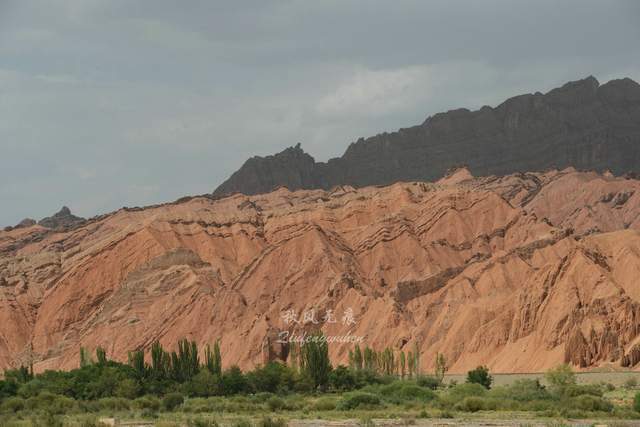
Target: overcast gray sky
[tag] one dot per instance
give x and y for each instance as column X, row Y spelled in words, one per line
column 109, row 103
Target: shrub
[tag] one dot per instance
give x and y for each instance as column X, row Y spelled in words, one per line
column 461, row 391
column 147, row 402
column 560, row 377
column 273, row 377
column 342, row 378
column 358, row 400
column 274, row 403
column 90, row 406
column 241, row 423
column 636, row 402
column 8, row 388
column 203, row 384
column 325, row 404
column 294, row 402
column 128, row 388
column 573, row 413
column 200, row 422
column 481, row 376
column 446, row 414
column 583, row 389
column 196, row 405
column 623, row 413
column 272, row 422
column 471, row 404
column 591, row 403
column 366, row 422
column 91, row 422
column 608, row 386
column 233, row 381
column 114, row 404
column 31, row 389
column 631, row 383
column 149, row 413
column 428, row 381
column 51, row 403
column 12, row 404
column 538, row 405
column 47, row 420
column 523, row 390
column 261, row 397
column 171, row 401
column 402, row 391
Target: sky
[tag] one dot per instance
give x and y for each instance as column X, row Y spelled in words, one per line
column 111, row 103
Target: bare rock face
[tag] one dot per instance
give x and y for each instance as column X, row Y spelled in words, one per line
column 63, row 220
column 519, row 273
column 582, row 124
column 292, row 168
column 27, row 222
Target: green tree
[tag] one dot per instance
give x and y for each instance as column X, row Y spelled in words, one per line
column 403, row 365
column 440, row 366
column 101, row 356
column 203, row 384
column 293, row 357
column 128, row 388
column 560, row 378
column 315, row 353
column 357, row 358
column 85, row 357
column 411, row 362
column 481, row 376
column 370, row 360
column 20, row 375
column 172, row 400
column 185, row 363
column 136, row 361
column 160, row 361
column 416, row 355
column 342, row 379
column 213, row 360
column 387, row 361
column 233, row 381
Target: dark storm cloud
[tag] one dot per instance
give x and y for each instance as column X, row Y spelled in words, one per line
column 111, row 103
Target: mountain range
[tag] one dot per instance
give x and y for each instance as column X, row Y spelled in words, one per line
column 582, row 124
column 524, row 258
column 520, row 273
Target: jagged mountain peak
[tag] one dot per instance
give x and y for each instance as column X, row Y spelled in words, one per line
column 581, row 124
column 63, row 219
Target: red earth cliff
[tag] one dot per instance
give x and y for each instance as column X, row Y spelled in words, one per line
column 519, row 273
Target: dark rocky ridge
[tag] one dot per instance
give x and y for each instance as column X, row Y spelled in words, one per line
column 63, row 220
column 581, row 124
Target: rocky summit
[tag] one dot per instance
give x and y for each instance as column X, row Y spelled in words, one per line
column 63, row 220
column 519, row 272
column 582, row 124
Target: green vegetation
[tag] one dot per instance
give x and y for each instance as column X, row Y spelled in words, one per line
column 178, row 388
column 481, row 376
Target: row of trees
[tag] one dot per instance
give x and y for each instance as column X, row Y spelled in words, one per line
column 178, row 366
column 160, row 371
column 388, row 362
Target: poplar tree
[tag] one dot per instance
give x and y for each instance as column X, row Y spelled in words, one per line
column 315, row 354
column 357, row 358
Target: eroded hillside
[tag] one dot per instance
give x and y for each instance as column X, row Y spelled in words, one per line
column 520, row 273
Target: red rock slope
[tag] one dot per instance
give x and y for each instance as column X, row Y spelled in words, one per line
column 519, row 273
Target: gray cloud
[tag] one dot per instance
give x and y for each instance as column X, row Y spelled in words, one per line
column 105, row 103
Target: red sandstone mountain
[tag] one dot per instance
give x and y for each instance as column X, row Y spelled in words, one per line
column 520, row 273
